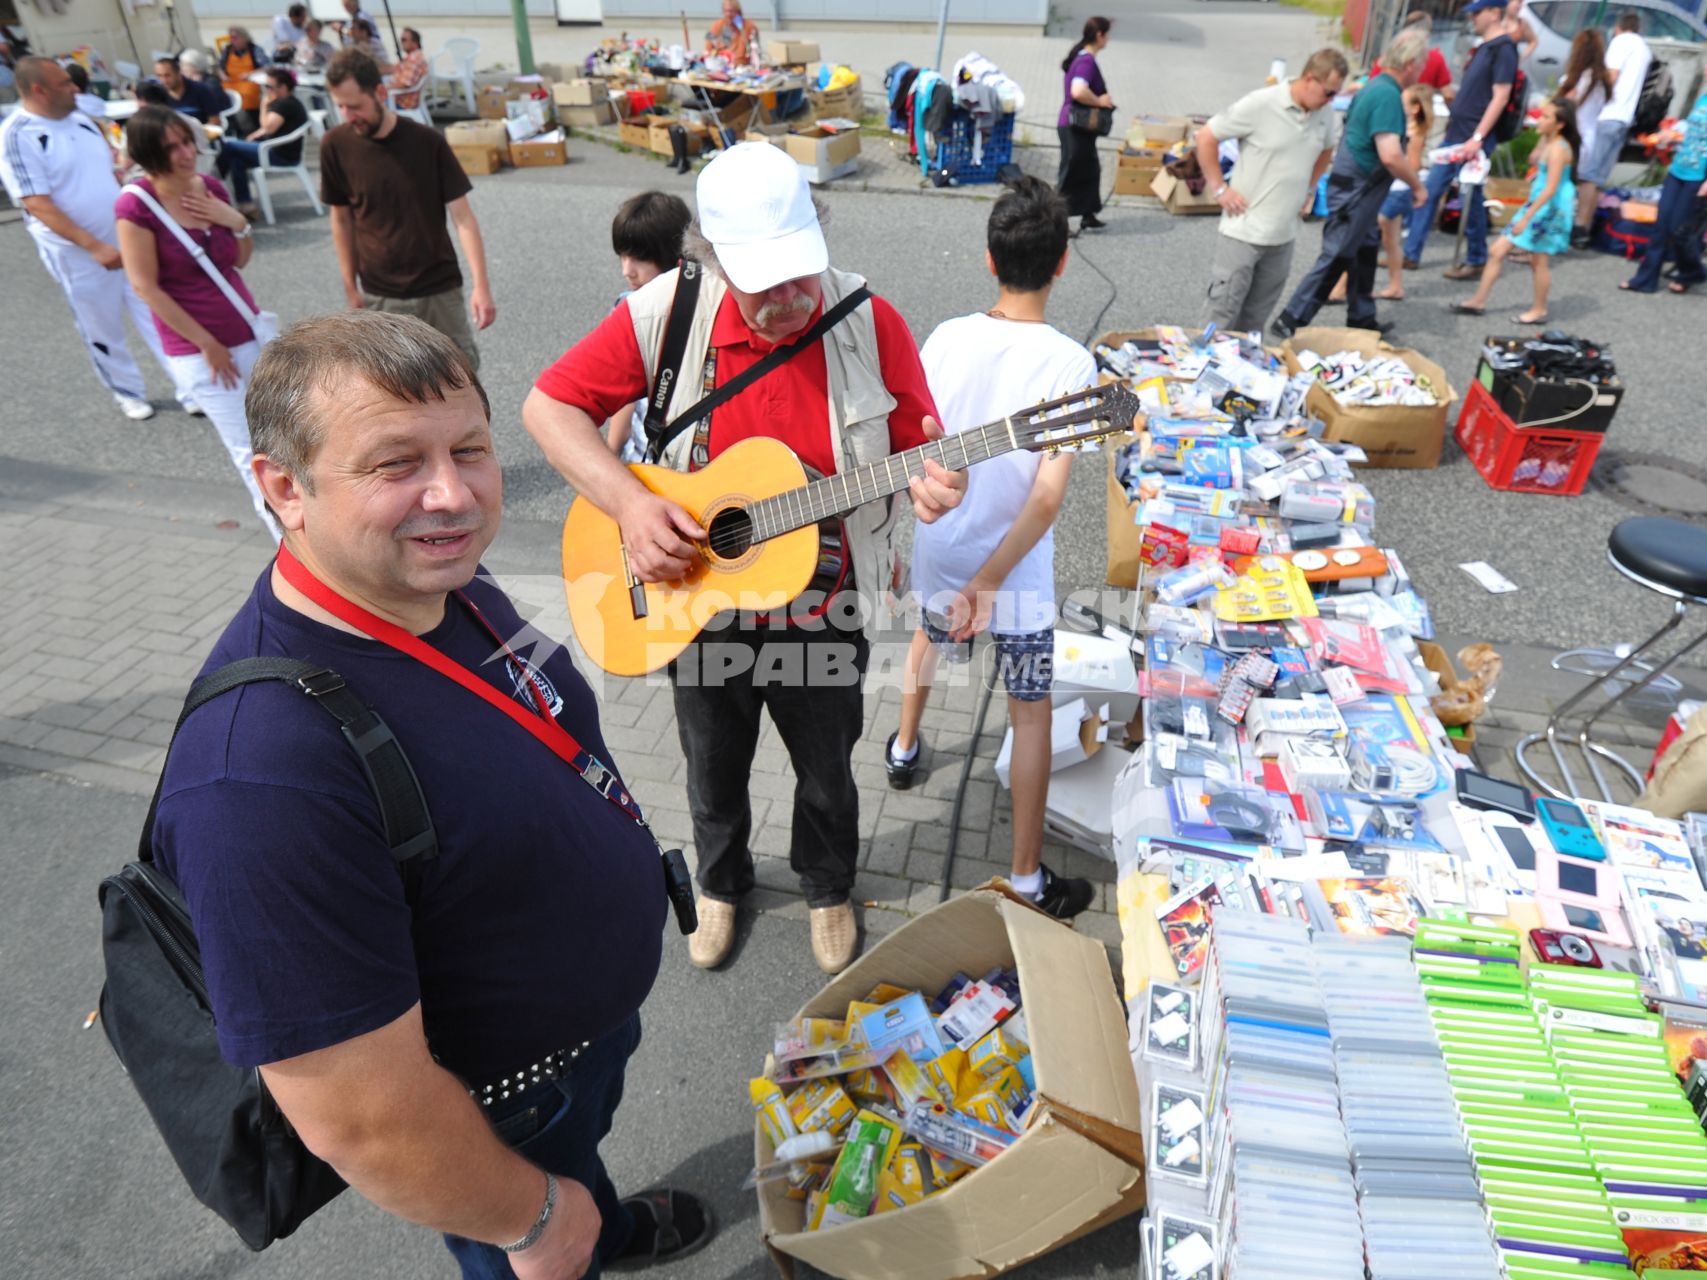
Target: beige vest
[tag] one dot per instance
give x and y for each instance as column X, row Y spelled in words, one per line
column 859, row 405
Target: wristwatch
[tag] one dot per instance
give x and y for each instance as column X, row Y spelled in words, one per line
column 538, row 1228
column 248, row 230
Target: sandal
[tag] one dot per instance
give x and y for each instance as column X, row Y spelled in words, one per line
column 1387, row 295
column 1524, row 317
column 1680, row 286
column 668, row 1224
column 1465, row 309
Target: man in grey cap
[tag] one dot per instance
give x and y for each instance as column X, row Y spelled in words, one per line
column 762, row 284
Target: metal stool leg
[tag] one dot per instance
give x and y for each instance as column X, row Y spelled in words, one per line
column 1591, row 749
column 1551, row 732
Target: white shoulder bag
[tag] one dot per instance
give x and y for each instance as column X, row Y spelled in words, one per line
column 264, row 324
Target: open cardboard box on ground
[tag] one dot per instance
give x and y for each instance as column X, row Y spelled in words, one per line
column 1176, row 196
column 1078, row 1166
column 1407, row 437
column 1125, row 537
column 658, row 139
column 479, row 161
column 636, row 131
column 541, row 152
column 1136, row 168
column 477, row 136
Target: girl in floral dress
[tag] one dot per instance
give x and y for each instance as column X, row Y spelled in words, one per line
column 1543, row 225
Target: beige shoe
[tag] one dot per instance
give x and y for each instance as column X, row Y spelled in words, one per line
column 835, row 937
column 708, row 945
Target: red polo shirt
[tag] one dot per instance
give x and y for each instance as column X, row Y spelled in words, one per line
column 603, row 373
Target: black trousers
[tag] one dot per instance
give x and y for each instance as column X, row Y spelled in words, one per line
column 1351, row 242
column 812, row 681
column 1080, row 180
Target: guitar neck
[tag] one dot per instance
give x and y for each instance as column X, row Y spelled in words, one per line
column 841, row 493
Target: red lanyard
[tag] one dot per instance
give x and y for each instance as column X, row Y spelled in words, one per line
column 542, row 725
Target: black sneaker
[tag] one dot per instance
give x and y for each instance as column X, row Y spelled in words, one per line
column 1090, row 222
column 1283, row 326
column 1382, row 327
column 902, row 773
column 1064, row 898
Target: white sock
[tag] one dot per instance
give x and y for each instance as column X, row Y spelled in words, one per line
column 1030, row 885
column 902, row 757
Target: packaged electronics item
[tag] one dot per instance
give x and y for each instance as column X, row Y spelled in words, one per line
column 1190, row 584
column 1001, row 1048
column 908, row 1081
column 772, row 1110
column 955, row 1135
column 852, row 1189
column 821, row 1105
column 1239, row 814
column 1479, row 791
column 903, row 1024
column 974, row 1013
column 1312, row 504
column 1312, row 764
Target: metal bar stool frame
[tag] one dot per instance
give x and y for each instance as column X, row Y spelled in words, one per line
column 1584, row 742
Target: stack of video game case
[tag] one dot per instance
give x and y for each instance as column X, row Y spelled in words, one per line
column 1416, row 1185
column 1550, row 1212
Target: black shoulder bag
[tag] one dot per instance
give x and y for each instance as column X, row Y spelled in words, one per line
column 682, row 308
column 232, row 1144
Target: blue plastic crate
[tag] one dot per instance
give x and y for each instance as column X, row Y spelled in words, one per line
column 954, row 150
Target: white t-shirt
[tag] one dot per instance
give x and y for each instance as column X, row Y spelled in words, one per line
column 287, row 32
column 1590, row 103
column 981, row 369
column 68, row 160
column 1629, row 56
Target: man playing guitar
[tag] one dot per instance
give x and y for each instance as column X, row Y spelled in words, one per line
column 714, row 345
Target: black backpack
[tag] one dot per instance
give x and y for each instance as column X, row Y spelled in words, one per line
column 1510, row 122
column 232, row 1144
column 1655, row 103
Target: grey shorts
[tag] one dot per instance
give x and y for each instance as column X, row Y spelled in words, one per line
column 447, row 312
column 1025, row 659
column 1596, row 168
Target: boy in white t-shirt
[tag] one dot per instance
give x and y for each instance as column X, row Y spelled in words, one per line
column 990, row 563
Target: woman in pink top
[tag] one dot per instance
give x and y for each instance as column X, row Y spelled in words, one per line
column 208, row 341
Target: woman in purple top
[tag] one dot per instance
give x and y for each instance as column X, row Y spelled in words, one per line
column 208, row 341
column 1080, row 182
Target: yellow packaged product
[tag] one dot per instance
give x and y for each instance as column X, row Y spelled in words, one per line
column 821, row 1104
column 989, row 1107
column 1009, row 1086
column 945, row 1171
column 952, row 1075
column 1001, row 1048
column 772, row 1110
column 884, row 992
column 892, row 1193
column 866, row 1087
column 852, row 1189
column 803, row 1179
column 909, row 1081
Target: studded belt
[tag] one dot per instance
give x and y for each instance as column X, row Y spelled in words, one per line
column 552, row 1066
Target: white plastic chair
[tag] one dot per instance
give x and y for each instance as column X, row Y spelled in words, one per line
column 317, row 124
column 228, row 118
column 263, row 170
column 417, row 114
column 455, row 63
column 128, row 73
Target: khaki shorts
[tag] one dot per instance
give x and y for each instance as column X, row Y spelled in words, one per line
column 447, row 312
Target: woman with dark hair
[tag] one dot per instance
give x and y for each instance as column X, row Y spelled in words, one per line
column 1543, row 226
column 1587, row 83
column 210, row 342
column 1080, row 182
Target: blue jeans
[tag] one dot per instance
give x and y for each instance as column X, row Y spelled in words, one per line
column 558, row 1126
column 1475, row 215
column 236, row 158
column 1676, row 234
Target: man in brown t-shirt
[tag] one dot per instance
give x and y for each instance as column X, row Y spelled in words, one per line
column 389, row 182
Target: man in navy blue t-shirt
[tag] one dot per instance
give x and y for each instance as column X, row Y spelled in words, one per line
column 1483, row 92
column 536, row 935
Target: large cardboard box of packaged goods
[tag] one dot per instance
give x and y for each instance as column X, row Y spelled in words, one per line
column 637, row 132
column 479, row 161
column 1176, row 196
column 580, row 93
column 600, row 113
column 536, row 153
column 1079, row 1164
column 790, row 53
column 1404, row 437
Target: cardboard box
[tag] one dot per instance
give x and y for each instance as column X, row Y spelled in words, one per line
column 1097, row 668
column 1078, row 811
column 817, row 149
column 1160, row 130
column 1130, row 180
column 1076, row 733
column 1125, row 537
column 775, row 134
column 1079, row 1165
column 1406, row 437
column 580, row 93
column 1437, row 661
column 479, row 161
column 538, row 153
column 478, row 134
column 637, row 132
column 1504, row 197
column 791, row 53
column 600, row 113
column 1176, row 197
column 847, row 102
column 493, row 102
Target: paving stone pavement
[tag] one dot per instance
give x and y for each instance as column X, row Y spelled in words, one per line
column 152, row 593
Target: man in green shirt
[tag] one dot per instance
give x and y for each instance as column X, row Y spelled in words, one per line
column 1286, row 138
column 1371, row 156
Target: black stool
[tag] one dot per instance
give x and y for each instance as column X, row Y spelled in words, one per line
column 1667, row 556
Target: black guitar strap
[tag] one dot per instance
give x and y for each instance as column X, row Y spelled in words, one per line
column 675, row 347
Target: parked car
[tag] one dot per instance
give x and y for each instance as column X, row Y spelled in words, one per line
column 1676, row 38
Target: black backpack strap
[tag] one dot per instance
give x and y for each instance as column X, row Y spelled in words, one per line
column 656, row 444
column 402, row 806
column 682, row 308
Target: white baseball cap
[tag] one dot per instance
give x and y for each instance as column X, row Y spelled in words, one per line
column 756, row 210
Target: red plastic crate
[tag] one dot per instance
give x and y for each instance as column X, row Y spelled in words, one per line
column 1523, row 459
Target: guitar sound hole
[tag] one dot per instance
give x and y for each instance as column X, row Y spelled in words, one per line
column 731, row 533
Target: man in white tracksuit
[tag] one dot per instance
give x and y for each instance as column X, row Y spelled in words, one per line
column 55, row 162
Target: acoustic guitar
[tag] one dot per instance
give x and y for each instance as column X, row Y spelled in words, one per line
column 762, row 512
